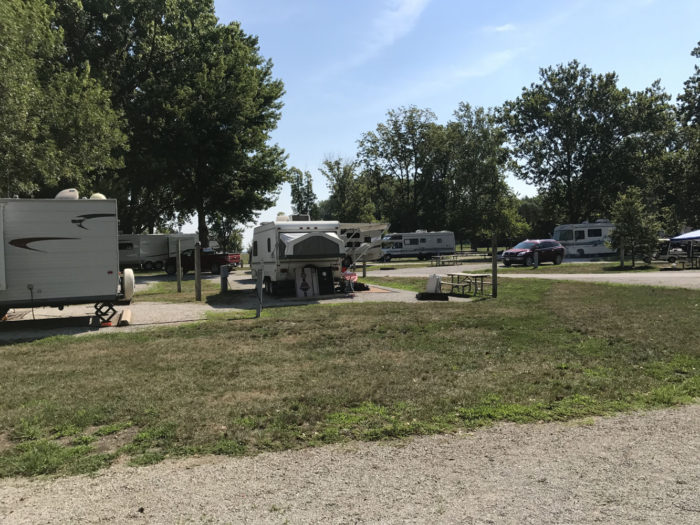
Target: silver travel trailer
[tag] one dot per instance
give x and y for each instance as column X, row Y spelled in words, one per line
column 585, row 239
column 420, row 244
column 151, row 251
column 57, row 252
column 363, row 240
column 304, row 255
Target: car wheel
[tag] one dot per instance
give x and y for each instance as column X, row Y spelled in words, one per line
column 557, row 258
column 215, row 269
column 529, row 261
column 671, row 260
column 387, row 258
column 268, row 286
column 647, row 259
column 506, row 263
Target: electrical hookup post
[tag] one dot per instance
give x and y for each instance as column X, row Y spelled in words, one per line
column 197, row 271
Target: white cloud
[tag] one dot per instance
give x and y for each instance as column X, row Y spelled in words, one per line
column 499, row 29
column 395, row 20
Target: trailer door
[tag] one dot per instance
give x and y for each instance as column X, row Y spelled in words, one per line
column 3, row 283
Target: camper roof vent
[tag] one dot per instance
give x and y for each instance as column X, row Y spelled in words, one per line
column 602, row 220
column 301, row 217
column 282, row 218
column 97, row 197
column 68, row 194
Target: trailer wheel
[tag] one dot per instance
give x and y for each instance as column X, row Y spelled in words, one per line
column 215, row 269
column 148, row 266
column 128, row 284
column 158, row 265
column 671, row 260
column 170, row 268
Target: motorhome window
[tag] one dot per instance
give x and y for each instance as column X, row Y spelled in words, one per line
column 255, row 248
column 422, row 240
column 564, row 235
column 126, row 246
column 595, row 233
column 268, row 245
column 411, row 241
column 580, row 235
column 398, row 245
column 439, row 241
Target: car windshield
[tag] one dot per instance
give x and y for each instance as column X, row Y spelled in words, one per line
column 525, row 245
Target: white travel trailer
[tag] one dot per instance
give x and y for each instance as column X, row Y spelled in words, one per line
column 151, row 251
column 585, row 239
column 57, row 252
column 363, row 241
column 305, row 255
column 421, row 244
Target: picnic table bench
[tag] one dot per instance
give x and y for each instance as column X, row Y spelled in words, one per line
column 467, row 283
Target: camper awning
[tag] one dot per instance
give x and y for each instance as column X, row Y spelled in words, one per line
column 290, row 240
column 694, row 235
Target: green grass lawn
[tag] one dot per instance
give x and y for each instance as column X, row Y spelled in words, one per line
column 310, row 375
column 601, row 267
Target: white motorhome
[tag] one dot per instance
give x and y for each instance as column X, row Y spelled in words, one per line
column 305, row 255
column 363, row 240
column 151, row 251
column 585, row 239
column 57, row 252
column 420, row 244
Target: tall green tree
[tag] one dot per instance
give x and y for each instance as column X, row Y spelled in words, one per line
column 686, row 185
column 57, row 126
column 394, row 156
column 581, row 139
column 200, row 102
column 303, row 196
column 350, row 199
column 636, row 228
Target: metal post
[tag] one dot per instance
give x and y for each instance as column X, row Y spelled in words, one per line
column 259, row 292
column 364, row 268
column 197, row 272
column 224, row 278
column 494, row 266
column 178, row 267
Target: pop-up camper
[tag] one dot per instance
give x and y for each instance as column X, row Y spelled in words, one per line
column 57, row 252
column 302, row 254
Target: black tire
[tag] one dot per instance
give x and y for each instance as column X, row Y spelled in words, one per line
column 267, row 286
column 158, row 265
column 558, row 258
column 170, row 268
column 148, row 266
column 215, row 268
column 647, row 259
column 671, row 260
column 387, row 258
column 506, row 263
column 529, row 260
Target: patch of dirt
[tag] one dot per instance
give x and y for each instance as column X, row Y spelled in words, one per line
column 113, row 442
column 5, row 443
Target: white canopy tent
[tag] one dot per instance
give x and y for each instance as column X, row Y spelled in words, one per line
column 689, row 236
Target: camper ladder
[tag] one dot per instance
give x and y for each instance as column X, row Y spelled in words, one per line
column 105, row 312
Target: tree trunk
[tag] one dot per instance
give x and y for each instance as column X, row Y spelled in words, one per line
column 622, row 253
column 494, row 267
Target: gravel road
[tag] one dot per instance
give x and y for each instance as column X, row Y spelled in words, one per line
column 633, row 468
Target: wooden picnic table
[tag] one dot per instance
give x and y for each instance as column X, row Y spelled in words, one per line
column 467, row 283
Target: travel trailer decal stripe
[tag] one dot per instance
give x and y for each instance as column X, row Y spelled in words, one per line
column 82, row 218
column 23, row 243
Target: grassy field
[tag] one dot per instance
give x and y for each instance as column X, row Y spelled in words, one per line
column 310, row 375
column 595, row 267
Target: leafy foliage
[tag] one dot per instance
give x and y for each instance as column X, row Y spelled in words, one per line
column 635, row 228
column 303, row 196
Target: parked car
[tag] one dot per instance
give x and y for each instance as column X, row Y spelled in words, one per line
column 210, row 261
column 547, row 250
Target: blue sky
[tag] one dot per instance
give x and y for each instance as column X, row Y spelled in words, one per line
column 346, row 63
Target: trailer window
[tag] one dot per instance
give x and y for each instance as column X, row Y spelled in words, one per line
column 439, row 240
column 422, row 240
column 126, row 246
column 595, row 233
column 411, row 241
column 255, row 248
column 268, row 245
column 580, row 235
